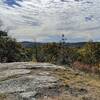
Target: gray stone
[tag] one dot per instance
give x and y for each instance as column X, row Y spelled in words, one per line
column 28, row 94
column 33, row 99
column 27, row 65
column 8, row 73
column 26, row 82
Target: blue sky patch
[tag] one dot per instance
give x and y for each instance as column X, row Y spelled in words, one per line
column 12, row 2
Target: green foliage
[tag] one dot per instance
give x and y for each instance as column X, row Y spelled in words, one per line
column 48, row 53
column 10, row 50
column 87, row 57
column 90, row 53
column 56, row 53
column 3, row 33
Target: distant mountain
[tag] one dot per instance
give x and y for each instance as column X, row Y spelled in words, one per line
column 78, row 44
column 28, row 44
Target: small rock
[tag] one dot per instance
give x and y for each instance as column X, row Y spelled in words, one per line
column 44, row 73
column 28, row 94
column 33, row 99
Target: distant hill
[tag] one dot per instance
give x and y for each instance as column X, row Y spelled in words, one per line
column 78, row 44
column 28, row 44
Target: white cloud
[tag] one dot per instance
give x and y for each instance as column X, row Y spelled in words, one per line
column 42, row 18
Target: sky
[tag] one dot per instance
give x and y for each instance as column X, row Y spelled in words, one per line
column 47, row 20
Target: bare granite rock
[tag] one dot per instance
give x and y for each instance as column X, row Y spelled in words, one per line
column 26, row 81
column 8, row 73
column 27, row 65
column 30, row 94
column 44, row 81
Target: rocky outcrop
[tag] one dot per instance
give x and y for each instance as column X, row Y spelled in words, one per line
column 44, row 81
column 27, row 81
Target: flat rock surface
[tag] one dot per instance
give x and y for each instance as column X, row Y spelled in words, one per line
column 44, row 81
column 26, row 80
column 10, row 73
column 27, row 65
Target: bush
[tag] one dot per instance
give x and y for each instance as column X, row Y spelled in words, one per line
column 10, row 50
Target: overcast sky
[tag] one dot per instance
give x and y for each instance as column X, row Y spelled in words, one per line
column 46, row 20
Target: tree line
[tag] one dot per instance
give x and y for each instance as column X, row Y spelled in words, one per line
column 85, row 58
